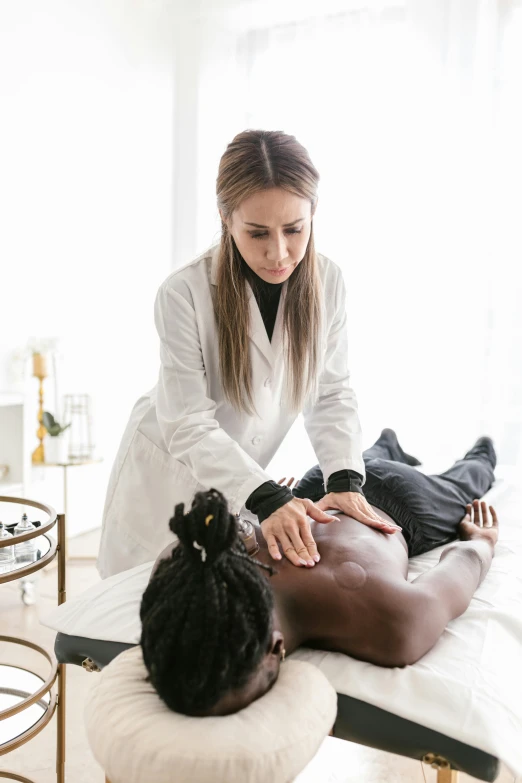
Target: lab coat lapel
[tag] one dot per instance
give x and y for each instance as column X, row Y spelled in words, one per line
column 277, row 336
column 258, row 333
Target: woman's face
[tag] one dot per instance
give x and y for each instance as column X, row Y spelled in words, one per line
column 271, row 230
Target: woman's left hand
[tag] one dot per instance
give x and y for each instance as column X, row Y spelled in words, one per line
column 355, row 505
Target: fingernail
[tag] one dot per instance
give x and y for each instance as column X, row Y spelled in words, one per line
column 302, row 562
column 310, row 563
column 317, row 558
column 277, row 557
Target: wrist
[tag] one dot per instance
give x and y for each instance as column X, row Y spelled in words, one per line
column 344, row 481
column 476, row 546
column 268, row 498
column 478, row 538
column 486, row 544
column 267, row 509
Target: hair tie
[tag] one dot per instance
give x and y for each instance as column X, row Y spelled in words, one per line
column 202, row 550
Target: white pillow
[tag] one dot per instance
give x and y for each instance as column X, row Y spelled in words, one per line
column 108, row 611
column 136, row 738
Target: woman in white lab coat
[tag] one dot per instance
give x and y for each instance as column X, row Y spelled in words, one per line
column 252, row 333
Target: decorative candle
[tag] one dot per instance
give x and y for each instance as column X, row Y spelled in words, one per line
column 39, row 365
column 55, row 378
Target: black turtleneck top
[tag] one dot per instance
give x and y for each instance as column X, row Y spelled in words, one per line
column 270, row 496
column 267, row 296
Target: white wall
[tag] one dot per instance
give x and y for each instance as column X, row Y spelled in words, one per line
column 115, row 115
column 87, row 91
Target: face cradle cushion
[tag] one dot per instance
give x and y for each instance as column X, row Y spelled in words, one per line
column 136, row 738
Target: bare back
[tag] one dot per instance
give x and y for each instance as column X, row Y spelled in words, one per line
column 347, row 602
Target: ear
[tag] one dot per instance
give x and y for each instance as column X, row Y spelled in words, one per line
column 276, row 644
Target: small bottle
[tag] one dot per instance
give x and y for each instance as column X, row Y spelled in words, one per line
column 6, row 552
column 26, row 550
column 247, row 534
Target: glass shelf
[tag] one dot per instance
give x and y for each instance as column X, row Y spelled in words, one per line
column 16, row 684
column 10, row 513
column 42, row 547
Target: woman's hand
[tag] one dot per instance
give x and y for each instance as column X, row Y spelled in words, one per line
column 289, row 527
column 355, row 505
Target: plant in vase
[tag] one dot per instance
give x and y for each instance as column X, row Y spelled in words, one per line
column 56, row 443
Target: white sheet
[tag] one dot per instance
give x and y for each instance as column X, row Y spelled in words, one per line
column 468, row 687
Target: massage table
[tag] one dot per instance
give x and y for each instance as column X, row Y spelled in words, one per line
column 458, row 709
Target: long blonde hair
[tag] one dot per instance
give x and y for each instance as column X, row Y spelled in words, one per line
column 258, row 160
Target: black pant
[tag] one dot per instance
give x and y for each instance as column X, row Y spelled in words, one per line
column 428, row 508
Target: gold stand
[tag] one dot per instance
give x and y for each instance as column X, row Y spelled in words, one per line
column 38, row 453
column 445, row 774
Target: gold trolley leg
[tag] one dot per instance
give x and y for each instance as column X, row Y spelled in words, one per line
column 65, row 498
column 62, row 680
column 445, row 774
column 62, row 555
column 60, row 726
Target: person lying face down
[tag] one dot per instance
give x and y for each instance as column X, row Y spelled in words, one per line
column 216, row 622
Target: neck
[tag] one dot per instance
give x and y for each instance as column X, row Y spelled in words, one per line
column 293, row 637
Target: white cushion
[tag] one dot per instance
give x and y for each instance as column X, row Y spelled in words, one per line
column 136, row 738
column 108, row 611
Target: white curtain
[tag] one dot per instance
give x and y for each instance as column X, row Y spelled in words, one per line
column 412, row 114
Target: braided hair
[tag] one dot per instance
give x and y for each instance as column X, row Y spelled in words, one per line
column 207, row 612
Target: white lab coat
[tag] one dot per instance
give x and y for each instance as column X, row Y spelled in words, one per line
column 183, row 436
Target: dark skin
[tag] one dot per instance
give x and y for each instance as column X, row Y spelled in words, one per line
column 357, row 600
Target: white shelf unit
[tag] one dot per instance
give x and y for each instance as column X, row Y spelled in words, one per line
column 13, row 444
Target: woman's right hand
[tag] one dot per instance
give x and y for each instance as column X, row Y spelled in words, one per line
column 289, row 527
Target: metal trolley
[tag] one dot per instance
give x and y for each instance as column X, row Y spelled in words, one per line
column 28, row 700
